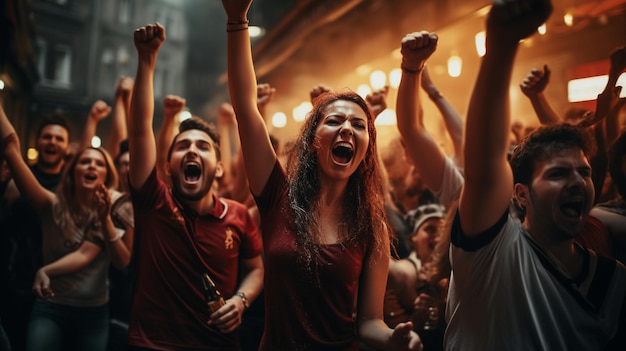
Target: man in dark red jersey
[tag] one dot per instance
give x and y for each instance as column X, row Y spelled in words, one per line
column 184, row 231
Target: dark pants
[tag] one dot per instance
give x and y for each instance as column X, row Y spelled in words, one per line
column 58, row 327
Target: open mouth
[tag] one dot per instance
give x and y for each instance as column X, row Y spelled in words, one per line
column 573, row 209
column 91, row 177
column 343, row 153
column 192, row 173
column 50, row 150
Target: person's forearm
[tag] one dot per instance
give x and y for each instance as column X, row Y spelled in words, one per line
column 226, row 152
column 544, row 110
column 613, row 77
column 252, row 284
column 240, row 189
column 91, row 124
column 70, row 263
column 241, row 71
column 119, row 131
column 426, row 155
column 375, row 333
column 453, row 123
column 6, row 127
column 164, row 139
column 142, row 103
column 23, row 178
column 409, row 105
column 242, row 84
column 612, row 123
column 487, row 142
column 141, row 139
column 116, row 249
column 487, row 127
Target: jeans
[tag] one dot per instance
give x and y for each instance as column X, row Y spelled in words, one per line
column 55, row 327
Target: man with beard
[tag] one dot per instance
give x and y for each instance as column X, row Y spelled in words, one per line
column 23, row 227
column 528, row 285
column 184, row 231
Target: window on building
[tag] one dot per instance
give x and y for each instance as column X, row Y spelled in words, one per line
column 124, row 67
column 54, row 62
column 108, row 73
column 62, row 65
column 124, row 11
column 42, row 53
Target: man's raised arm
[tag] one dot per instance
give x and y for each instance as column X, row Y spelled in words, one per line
column 488, row 177
column 141, row 141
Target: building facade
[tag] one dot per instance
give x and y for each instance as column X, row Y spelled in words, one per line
column 83, row 47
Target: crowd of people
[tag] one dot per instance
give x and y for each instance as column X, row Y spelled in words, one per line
column 205, row 237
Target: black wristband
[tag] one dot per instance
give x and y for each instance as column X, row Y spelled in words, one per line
column 411, row 71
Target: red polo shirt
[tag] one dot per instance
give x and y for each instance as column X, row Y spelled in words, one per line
column 173, row 246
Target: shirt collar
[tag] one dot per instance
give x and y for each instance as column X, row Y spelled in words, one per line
column 220, row 208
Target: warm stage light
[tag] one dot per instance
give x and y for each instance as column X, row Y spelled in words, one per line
column 255, row 31
column 454, row 66
column 394, row 77
column 279, row 120
column 479, row 40
column 386, row 118
column 364, row 90
column 378, row 79
column 363, row 70
column 300, row 112
column 184, row 115
column 542, row 29
column 96, row 141
column 587, row 89
column 568, row 19
column 32, row 154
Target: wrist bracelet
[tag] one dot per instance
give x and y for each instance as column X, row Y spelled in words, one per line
column 237, row 22
column 117, row 237
column 410, row 71
column 244, row 298
column 228, row 30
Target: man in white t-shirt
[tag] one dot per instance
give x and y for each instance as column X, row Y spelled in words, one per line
column 526, row 285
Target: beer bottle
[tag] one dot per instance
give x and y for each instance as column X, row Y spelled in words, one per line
column 213, row 297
